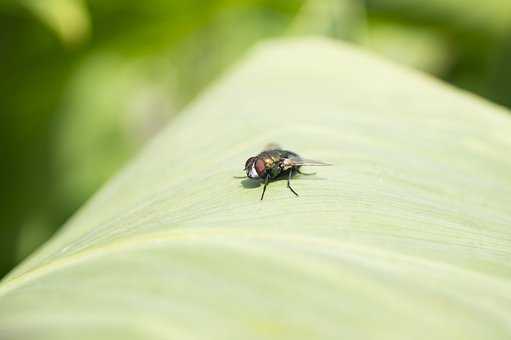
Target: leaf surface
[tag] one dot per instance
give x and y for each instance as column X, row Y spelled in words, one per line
column 407, row 236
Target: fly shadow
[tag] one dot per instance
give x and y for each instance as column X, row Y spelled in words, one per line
column 250, row 183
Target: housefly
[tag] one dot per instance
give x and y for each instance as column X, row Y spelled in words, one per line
column 274, row 163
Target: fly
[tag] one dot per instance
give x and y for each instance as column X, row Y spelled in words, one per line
column 274, row 163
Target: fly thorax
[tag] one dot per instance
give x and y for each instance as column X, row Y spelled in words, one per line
column 287, row 164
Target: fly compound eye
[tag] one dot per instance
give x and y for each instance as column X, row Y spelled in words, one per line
column 250, row 168
column 260, row 167
column 249, row 163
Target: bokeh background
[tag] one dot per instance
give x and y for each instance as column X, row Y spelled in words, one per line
column 84, row 83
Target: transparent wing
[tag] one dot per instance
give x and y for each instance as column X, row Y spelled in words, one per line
column 306, row 162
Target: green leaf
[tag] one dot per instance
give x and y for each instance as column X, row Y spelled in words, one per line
column 68, row 18
column 470, row 16
column 407, row 236
column 341, row 19
column 415, row 46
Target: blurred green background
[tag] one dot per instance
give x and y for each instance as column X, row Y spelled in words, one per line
column 85, row 83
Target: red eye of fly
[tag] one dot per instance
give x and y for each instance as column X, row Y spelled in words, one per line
column 260, row 167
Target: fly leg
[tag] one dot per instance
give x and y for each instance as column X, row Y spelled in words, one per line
column 265, row 185
column 289, row 182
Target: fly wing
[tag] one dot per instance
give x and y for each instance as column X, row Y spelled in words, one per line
column 310, row 162
column 298, row 161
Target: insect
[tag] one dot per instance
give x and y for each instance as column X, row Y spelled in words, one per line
column 274, row 163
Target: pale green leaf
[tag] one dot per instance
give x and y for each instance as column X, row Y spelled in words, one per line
column 407, row 236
